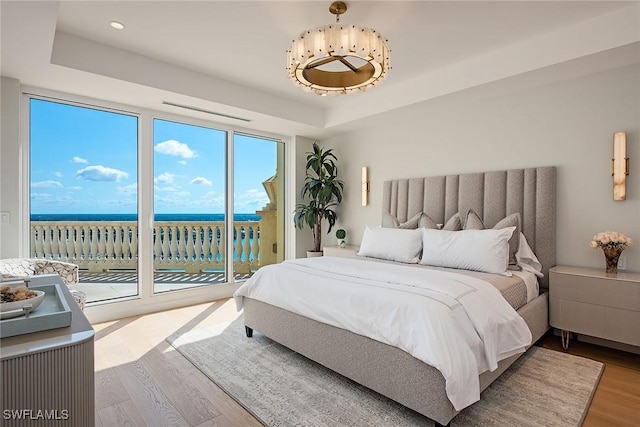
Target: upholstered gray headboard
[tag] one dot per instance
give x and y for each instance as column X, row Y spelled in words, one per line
column 493, row 195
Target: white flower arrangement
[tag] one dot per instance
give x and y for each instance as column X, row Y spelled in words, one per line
column 610, row 240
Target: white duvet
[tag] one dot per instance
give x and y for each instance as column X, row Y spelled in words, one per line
column 458, row 324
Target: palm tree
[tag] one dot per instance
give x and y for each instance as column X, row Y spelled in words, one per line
column 324, row 191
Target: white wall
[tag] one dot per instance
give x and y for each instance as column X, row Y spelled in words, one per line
column 504, row 125
column 9, row 167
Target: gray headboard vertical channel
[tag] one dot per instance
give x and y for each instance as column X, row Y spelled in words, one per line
column 493, row 195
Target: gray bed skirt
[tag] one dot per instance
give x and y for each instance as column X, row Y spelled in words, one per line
column 387, row 370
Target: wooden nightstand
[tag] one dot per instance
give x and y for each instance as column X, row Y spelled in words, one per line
column 591, row 302
column 348, row 251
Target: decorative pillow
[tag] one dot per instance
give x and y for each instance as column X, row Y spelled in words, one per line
column 453, row 224
column 474, row 222
column 417, row 221
column 390, row 221
column 427, row 222
column 394, row 244
column 478, row 250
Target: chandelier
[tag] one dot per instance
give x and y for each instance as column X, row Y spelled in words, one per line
column 338, row 59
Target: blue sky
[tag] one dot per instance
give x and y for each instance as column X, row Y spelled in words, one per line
column 85, row 161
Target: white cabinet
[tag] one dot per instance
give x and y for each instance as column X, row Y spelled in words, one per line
column 48, row 376
column 591, row 302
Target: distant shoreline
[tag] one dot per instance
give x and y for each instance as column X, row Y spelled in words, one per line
column 216, row 217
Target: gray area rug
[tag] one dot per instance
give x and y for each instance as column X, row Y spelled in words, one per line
column 281, row 388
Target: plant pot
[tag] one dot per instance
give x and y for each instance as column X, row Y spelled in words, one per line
column 313, row 254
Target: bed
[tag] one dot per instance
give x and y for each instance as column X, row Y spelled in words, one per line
column 386, row 368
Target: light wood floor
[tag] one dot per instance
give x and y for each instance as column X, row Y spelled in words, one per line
column 617, row 398
column 142, row 381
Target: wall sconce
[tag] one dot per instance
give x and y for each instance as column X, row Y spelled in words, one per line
column 365, row 186
column 619, row 166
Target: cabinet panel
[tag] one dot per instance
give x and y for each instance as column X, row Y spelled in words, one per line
column 48, row 376
column 597, row 321
column 594, row 290
column 54, row 387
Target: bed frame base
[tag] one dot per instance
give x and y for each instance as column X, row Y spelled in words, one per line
column 385, row 369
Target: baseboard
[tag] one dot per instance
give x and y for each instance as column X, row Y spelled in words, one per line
column 602, row 342
column 610, row 344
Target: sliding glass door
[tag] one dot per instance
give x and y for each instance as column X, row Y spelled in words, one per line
column 83, row 198
column 258, row 232
column 190, row 181
column 189, row 176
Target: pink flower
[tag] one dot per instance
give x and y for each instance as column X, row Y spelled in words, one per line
column 610, row 240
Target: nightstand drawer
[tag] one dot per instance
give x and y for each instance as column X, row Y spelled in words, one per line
column 596, row 320
column 605, row 291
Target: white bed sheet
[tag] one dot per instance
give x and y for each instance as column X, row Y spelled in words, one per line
column 459, row 324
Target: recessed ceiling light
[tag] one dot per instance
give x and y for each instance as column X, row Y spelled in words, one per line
column 117, row 25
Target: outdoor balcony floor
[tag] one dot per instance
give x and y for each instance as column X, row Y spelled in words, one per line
column 99, row 286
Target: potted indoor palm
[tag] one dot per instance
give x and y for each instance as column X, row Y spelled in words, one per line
column 321, row 193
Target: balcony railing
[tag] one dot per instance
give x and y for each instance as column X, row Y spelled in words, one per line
column 191, row 246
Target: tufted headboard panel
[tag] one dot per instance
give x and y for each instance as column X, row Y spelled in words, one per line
column 493, row 195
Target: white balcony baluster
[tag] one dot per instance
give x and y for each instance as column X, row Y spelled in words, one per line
column 192, row 246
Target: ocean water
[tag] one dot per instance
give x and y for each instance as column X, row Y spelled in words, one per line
column 134, row 217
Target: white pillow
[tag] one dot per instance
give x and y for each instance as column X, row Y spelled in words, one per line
column 527, row 259
column 478, row 250
column 394, row 244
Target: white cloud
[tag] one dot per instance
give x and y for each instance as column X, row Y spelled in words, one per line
column 57, row 174
column 41, row 196
column 49, row 199
column 167, row 188
column 130, row 189
column 172, row 147
column 182, row 162
column 164, row 178
column 101, row 173
column 250, row 201
column 46, row 184
column 201, row 181
column 180, row 198
column 77, row 159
